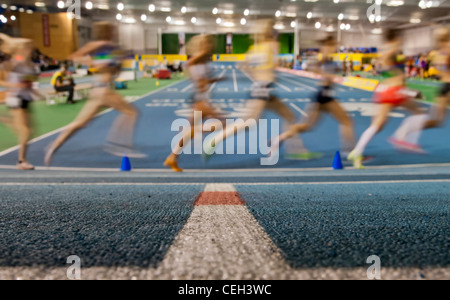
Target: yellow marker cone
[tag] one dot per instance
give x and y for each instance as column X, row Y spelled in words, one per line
column 157, row 83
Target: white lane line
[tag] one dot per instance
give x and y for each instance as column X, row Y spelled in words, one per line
column 233, row 183
column 12, row 149
column 222, row 242
column 301, row 111
column 283, row 87
column 298, row 83
column 236, row 89
column 219, row 187
column 248, row 76
column 187, row 88
column 211, row 88
column 368, row 168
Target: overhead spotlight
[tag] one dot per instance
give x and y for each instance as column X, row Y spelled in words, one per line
column 372, row 18
column 4, row 6
column 215, row 11
column 317, row 25
column 37, row 4
column 13, row 18
column 169, row 19
column 89, row 5
column 279, row 26
column 60, row 4
column 151, row 8
column 219, row 20
column 23, row 9
column 183, row 10
column 415, row 20
column 30, row 12
column 342, row 26
column 378, row 2
column 378, row 19
column 120, row 6
column 119, row 17
column 293, row 24
column 309, row 15
column 336, row 1
column 278, row 14
column 341, row 17
column 3, row 19
column 246, row 12
column 13, row 7
column 243, row 21
column 377, row 31
column 194, row 20
column 347, row 27
column 143, row 18
column 165, row 9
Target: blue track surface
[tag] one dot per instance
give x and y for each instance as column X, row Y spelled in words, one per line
column 107, row 226
column 339, row 225
column 159, row 110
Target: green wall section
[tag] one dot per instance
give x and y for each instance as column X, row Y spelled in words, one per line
column 241, row 43
column 170, row 43
column 286, row 41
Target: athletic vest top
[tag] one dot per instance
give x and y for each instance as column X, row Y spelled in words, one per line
column 107, row 56
column 23, row 73
column 108, row 60
column 262, row 56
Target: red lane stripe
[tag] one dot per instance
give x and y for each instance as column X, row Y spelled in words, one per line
column 219, row 198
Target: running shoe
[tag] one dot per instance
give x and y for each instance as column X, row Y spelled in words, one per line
column 120, row 151
column 303, row 156
column 173, row 164
column 356, row 160
column 405, row 146
column 25, row 166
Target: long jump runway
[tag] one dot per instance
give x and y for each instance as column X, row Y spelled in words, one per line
column 227, row 219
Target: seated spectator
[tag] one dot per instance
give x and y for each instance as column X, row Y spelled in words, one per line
column 61, row 84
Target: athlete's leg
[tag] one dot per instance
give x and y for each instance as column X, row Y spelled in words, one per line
column 22, row 126
column 377, row 125
column 346, row 125
column 89, row 111
column 122, row 130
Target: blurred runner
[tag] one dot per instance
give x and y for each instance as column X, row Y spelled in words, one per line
column 388, row 94
column 200, row 49
column 104, row 55
column 408, row 135
column 17, row 75
column 261, row 63
column 324, row 102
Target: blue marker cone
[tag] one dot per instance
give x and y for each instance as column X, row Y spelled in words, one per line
column 126, row 164
column 337, row 162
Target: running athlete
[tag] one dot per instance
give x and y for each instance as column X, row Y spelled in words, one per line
column 261, row 65
column 104, row 55
column 18, row 75
column 408, row 135
column 388, row 94
column 324, row 102
column 200, row 50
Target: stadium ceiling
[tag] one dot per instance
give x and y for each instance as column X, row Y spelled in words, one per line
column 391, row 13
